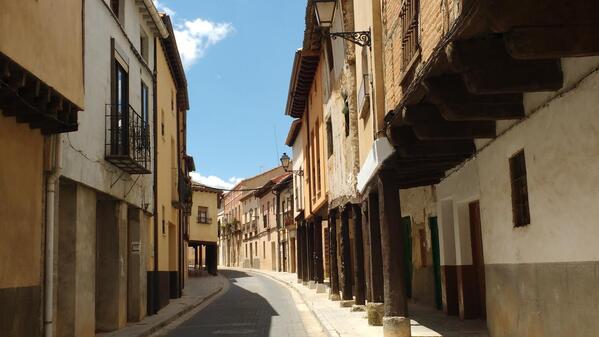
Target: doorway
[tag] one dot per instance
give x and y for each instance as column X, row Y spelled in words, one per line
column 434, row 227
column 478, row 260
column 407, row 227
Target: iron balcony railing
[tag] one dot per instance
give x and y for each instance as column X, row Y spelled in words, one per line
column 127, row 144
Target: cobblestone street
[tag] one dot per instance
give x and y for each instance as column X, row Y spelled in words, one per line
column 253, row 305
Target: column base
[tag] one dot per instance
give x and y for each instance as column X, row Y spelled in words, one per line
column 396, row 326
column 358, row 308
column 311, row 285
column 321, row 288
column 333, row 296
column 376, row 311
column 346, row 303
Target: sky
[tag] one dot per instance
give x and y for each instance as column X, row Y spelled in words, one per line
column 238, row 56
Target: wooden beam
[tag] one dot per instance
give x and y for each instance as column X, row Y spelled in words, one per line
column 487, row 68
column 552, row 42
column 506, row 14
column 481, row 112
column 421, row 114
column 437, row 148
column 455, row 130
column 455, row 103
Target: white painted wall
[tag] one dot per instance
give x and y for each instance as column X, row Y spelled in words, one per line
column 84, row 150
column 561, row 144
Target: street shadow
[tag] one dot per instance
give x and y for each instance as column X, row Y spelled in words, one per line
column 238, row 312
column 233, row 275
column 445, row 325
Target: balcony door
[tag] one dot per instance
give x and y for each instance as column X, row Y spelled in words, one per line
column 120, row 107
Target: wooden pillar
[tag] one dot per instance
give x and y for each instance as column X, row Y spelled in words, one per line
column 318, row 257
column 334, row 272
column 200, row 250
column 306, row 253
column 392, row 239
column 195, row 264
column 375, row 255
column 358, row 262
column 310, row 255
column 344, row 245
column 300, row 252
column 366, row 250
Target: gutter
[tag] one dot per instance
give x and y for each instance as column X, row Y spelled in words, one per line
column 156, row 18
column 51, row 187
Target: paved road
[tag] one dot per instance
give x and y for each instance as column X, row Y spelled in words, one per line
column 253, row 305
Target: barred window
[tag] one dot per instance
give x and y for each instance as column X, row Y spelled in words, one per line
column 408, row 16
column 519, row 183
column 202, row 214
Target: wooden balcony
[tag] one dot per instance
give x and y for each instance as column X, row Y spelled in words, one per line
column 31, row 101
column 127, row 145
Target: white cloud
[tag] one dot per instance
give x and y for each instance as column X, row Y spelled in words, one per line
column 195, row 36
column 214, row 181
column 162, row 8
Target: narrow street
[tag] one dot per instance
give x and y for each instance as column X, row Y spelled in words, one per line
column 253, row 305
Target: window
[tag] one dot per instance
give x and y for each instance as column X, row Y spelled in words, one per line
column 162, row 122
column 144, row 102
column 346, row 114
column 114, row 5
column 408, row 16
column 143, row 44
column 329, row 138
column 263, row 249
column 172, row 101
column 520, row 208
column 163, row 222
column 203, row 214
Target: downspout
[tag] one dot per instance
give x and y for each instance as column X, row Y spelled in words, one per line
column 155, row 187
column 181, row 266
column 51, row 187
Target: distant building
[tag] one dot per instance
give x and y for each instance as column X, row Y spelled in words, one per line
column 203, row 228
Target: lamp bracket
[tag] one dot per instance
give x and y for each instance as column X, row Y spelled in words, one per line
column 361, row 38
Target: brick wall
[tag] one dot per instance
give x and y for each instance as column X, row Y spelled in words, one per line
column 435, row 16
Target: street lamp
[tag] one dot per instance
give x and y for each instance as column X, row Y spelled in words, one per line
column 285, row 161
column 325, row 13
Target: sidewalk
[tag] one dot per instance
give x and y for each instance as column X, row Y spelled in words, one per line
column 197, row 290
column 339, row 321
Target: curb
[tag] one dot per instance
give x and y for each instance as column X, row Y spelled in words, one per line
column 155, row 328
column 330, row 331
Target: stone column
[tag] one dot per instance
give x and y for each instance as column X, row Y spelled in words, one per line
column 395, row 321
column 318, row 257
column 137, row 278
column 76, row 261
column 111, row 277
column 358, row 261
column 334, row 273
column 375, row 259
column 345, row 265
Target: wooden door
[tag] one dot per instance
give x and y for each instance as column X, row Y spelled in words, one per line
column 434, row 227
column 478, row 261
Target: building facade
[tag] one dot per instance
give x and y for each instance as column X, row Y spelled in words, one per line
column 38, row 104
column 470, row 117
column 203, row 230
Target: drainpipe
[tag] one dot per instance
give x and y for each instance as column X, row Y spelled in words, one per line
column 155, row 278
column 51, row 187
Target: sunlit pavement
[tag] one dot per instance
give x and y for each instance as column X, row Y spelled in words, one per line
column 253, row 305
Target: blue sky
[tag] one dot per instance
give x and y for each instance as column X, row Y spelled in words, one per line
column 238, row 56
